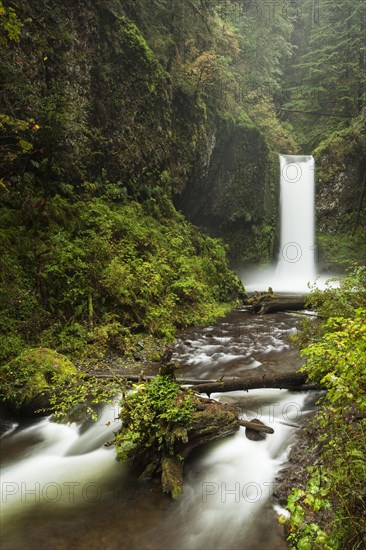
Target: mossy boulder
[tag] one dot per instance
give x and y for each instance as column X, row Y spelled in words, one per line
column 26, row 380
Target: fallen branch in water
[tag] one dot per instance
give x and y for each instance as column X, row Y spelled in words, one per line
column 146, row 378
column 255, row 379
column 256, row 425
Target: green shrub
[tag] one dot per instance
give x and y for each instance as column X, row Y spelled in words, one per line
column 335, row 351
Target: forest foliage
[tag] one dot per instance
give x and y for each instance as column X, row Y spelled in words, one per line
column 328, row 71
column 94, row 253
column 330, row 511
column 85, row 277
column 107, row 117
column 103, row 119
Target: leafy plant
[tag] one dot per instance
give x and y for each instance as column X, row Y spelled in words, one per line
column 154, row 417
column 79, row 397
column 90, row 275
column 302, row 533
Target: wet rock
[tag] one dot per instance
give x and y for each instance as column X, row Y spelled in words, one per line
column 254, row 435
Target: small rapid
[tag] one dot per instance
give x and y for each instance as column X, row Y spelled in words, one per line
column 55, row 464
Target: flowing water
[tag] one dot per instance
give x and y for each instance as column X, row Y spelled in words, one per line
column 62, row 488
column 297, row 247
column 296, row 263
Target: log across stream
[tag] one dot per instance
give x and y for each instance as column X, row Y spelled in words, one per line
column 61, row 486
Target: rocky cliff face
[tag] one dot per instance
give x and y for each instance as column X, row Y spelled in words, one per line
column 83, row 72
column 103, row 111
column 341, row 196
column 232, row 192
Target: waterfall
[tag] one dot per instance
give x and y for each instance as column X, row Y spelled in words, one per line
column 296, row 256
column 296, row 265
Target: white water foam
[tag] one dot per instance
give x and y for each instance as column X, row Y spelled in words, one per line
column 230, row 483
column 66, row 464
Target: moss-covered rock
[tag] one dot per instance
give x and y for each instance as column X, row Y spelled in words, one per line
column 26, row 379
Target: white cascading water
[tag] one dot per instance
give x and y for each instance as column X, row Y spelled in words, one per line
column 296, row 263
column 229, row 486
column 296, row 266
column 58, row 464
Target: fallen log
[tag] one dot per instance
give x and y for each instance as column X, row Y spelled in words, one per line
column 256, row 379
column 160, row 448
column 210, row 421
column 143, row 378
column 214, row 421
column 273, row 304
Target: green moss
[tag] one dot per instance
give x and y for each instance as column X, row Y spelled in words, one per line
column 154, row 420
column 30, row 375
column 161, row 423
column 135, row 42
column 340, row 149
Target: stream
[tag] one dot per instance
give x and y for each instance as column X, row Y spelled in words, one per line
column 62, row 488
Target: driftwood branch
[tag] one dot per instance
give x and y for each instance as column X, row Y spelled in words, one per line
column 256, row 426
